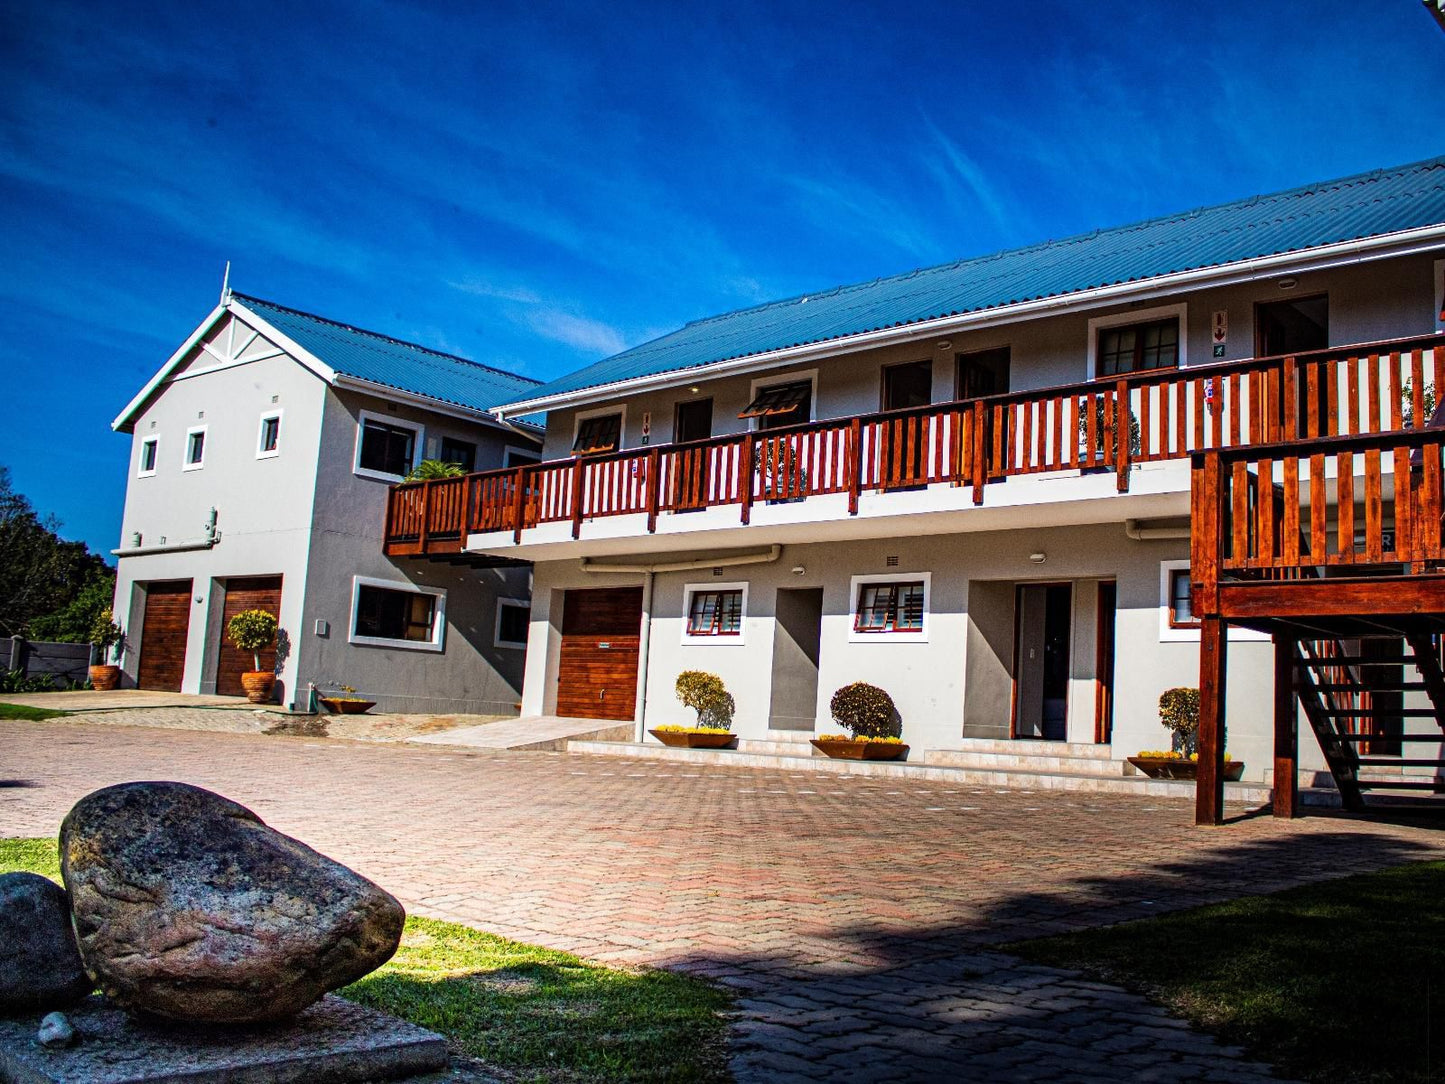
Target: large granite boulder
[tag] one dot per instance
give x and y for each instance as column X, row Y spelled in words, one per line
column 187, row 906
column 39, row 965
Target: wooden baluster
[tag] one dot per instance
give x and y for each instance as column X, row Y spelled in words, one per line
column 1123, row 435
column 980, row 452
column 1430, row 504
column 1332, row 397
column 1181, row 417
column 1073, row 426
column 1146, row 432
column 1264, row 514
column 1319, row 511
column 468, row 484
column 1374, row 524
column 1417, row 390
column 1092, row 436
column 1397, row 394
column 425, row 516
column 519, row 504
column 1163, row 415
column 1004, row 430
column 1256, row 407
column 1201, row 435
column 1289, row 541
column 653, row 461
column 1404, row 519
column 1372, row 394
column 1345, row 515
column 1289, row 381
column 1352, row 402
column 577, row 477
column 1026, row 447
column 746, row 475
column 1234, row 410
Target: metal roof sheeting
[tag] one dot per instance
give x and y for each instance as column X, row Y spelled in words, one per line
column 365, row 355
column 1351, row 208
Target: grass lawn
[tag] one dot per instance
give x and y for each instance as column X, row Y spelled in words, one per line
column 20, row 711
column 1339, row 981
column 525, row 1012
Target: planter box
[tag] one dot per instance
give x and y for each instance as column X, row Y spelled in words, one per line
column 340, row 706
column 1169, row 768
column 104, row 678
column 685, row 739
column 861, row 750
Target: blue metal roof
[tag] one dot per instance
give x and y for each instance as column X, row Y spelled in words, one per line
column 1365, row 205
column 379, row 359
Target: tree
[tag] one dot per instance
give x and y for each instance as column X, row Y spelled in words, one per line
column 40, row 573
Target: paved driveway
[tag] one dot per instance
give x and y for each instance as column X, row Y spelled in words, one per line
column 854, row 916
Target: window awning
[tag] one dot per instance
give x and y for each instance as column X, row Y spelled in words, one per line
column 601, row 434
column 778, row 399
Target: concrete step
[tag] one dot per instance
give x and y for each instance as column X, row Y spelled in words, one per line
column 1031, row 746
column 1026, row 761
column 1102, row 783
column 777, row 748
column 791, row 737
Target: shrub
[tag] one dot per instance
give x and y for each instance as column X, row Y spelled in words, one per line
column 252, row 630
column 1179, row 712
column 429, row 469
column 706, row 695
column 866, row 710
column 104, row 632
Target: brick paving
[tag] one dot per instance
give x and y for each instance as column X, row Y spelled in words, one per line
column 856, row 918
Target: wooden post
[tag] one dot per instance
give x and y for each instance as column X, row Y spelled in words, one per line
column 466, row 525
column 652, row 485
column 855, row 464
column 390, row 519
column 745, row 476
column 1209, row 785
column 519, row 505
column 1286, row 730
column 577, row 497
column 1206, row 540
column 1123, row 433
column 980, row 452
column 425, row 516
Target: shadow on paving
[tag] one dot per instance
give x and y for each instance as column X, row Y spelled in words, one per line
column 906, row 1001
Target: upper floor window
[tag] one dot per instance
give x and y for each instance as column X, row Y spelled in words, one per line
column 149, row 452
column 195, row 457
column 386, row 448
column 598, row 434
column 386, row 614
column 777, row 405
column 1131, row 348
column 714, row 613
column 268, row 440
column 461, row 452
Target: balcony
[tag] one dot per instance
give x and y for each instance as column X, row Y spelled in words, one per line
column 952, row 461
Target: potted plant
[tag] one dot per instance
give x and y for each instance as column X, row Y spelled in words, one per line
column 430, row 470
column 706, row 695
column 103, row 634
column 254, row 631
column 874, row 728
column 343, row 702
column 1179, row 712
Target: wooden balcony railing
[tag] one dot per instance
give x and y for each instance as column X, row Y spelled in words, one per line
column 1101, row 425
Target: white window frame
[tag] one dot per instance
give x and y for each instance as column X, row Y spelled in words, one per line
column 439, row 615
column 689, row 640
column 600, row 412
column 497, row 640
column 186, row 463
column 140, row 463
column 418, row 446
column 1169, row 633
column 533, row 456
column 774, row 379
column 892, row 636
column 1139, row 316
column 1439, row 295
column 262, row 453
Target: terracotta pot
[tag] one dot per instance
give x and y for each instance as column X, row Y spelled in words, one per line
column 682, row 739
column 852, row 749
column 346, row 706
column 258, row 685
column 1170, row 768
column 104, row 678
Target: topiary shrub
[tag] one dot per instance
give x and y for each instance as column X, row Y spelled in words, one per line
column 706, row 695
column 866, row 710
column 252, row 630
column 1179, row 712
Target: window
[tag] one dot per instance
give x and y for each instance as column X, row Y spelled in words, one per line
column 520, row 457
column 889, row 607
column 268, row 440
column 387, row 614
column 195, row 457
column 598, row 434
column 777, row 405
column 983, row 372
column 1181, row 606
column 461, row 452
column 713, row 613
column 513, row 618
column 149, row 451
column 1130, row 348
column 1294, row 326
column 385, row 448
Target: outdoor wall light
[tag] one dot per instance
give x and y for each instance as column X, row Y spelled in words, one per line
column 1038, row 558
column 799, row 570
column 1287, row 283
column 945, row 344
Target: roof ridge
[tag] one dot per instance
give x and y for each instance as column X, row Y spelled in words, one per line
column 1071, row 239
column 385, row 338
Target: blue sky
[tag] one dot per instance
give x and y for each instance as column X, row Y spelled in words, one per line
column 539, row 185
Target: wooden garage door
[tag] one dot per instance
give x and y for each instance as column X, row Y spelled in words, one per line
column 164, row 627
column 597, row 675
column 248, row 593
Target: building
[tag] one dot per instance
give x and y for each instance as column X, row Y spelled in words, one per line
column 262, row 453
column 928, row 482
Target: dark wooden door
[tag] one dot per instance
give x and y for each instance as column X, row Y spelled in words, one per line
column 245, row 593
column 690, row 478
column 597, row 672
column 905, row 439
column 164, row 627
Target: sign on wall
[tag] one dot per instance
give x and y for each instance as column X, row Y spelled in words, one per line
column 1220, row 332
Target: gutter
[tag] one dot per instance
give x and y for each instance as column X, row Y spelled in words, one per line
column 644, row 638
column 1152, row 534
column 1400, row 243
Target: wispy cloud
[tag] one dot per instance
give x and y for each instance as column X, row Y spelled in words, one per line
column 481, row 288
column 552, row 320
column 577, row 331
column 965, row 169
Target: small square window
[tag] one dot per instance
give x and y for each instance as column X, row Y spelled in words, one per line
column 149, row 452
column 889, row 607
column 715, row 613
column 1129, row 348
column 268, row 441
column 513, row 619
column 598, row 435
column 195, row 457
column 1181, row 604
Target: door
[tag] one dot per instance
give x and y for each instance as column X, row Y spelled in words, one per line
column 797, row 640
column 164, row 628
column 1104, row 664
column 692, row 421
column 1041, row 661
column 1296, row 326
column 597, row 671
column 905, row 439
column 245, row 593
column 982, row 373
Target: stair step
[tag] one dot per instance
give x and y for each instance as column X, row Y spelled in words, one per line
column 774, row 747
column 1378, row 713
column 1024, row 761
column 1376, row 687
column 1389, row 737
column 794, row 737
column 1402, row 784
column 1398, row 762
column 1034, row 747
column 1357, row 660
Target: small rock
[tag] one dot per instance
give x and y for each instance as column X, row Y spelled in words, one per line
column 187, row 906
column 55, row 1030
column 39, row 965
